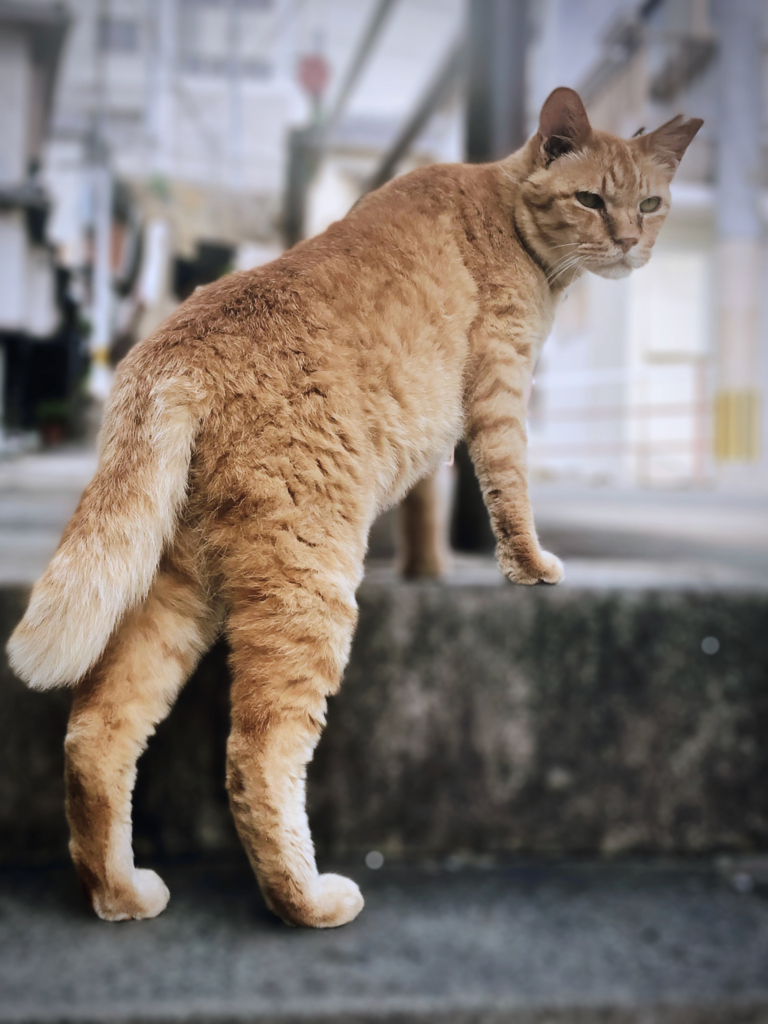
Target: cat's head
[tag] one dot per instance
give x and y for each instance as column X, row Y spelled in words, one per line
column 594, row 200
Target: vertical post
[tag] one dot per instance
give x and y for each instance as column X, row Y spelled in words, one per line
column 739, row 255
column 161, row 68
column 495, row 127
column 701, row 424
column 100, row 378
column 101, row 327
column 303, row 146
column 306, row 145
column 235, row 98
column 498, row 37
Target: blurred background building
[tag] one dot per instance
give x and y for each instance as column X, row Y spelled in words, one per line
column 151, row 145
column 659, row 380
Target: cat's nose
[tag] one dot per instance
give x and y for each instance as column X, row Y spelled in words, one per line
column 626, row 243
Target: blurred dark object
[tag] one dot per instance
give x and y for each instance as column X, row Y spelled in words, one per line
column 127, row 246
column 53, row 416
column 127, row 334
column 32, row 199
column 470, row 524
column 212, row 261
column 42, row 376
column 126, row 238
column 303, row 158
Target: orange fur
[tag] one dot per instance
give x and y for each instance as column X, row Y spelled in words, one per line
column 254, row 438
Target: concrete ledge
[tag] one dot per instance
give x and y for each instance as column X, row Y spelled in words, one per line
column 474, row 717
column 516, row 944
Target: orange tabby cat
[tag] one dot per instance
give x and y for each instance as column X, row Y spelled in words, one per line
column 250, row 442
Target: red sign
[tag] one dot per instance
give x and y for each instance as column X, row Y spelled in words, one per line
column 314, row 72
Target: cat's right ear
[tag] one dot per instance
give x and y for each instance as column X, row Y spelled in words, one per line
column 563, row 124
column 669, row 143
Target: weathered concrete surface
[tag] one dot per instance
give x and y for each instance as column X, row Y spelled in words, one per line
column 474, row 717
column 554, row 720
column 518, row 944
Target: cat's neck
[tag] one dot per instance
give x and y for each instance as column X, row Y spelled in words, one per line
column 548, row 257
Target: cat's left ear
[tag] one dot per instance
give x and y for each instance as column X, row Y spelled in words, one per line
column 668, row 143
column 563, row 124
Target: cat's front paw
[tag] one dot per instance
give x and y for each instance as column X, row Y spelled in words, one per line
column 537, row 567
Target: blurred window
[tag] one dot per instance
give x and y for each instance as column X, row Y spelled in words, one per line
column 214, row 33
column 669, row 310
column 118, row 35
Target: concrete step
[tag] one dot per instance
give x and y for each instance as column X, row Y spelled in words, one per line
column 518, row 943
column 474, row 716
column 726, row 528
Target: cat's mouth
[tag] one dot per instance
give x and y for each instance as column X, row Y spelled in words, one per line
column 613, row 269
column 637, row 259
column 621, row 266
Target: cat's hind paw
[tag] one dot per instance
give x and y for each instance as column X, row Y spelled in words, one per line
column 147, row 897
column 339, row 901
column 329, row 902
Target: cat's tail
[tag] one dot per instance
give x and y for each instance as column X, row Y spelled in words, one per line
column 111, row 547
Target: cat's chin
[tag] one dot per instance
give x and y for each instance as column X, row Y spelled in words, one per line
column 613, row 270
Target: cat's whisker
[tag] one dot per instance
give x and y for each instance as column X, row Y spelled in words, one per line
column 574, row 262
column 562, row 265
column 560, row 262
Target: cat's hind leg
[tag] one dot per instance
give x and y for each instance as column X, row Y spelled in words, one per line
column 424, row 530
column 114, row 712
column 289, row 641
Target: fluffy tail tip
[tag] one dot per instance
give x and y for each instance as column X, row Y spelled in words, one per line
column 31, row 662
column 42, row 654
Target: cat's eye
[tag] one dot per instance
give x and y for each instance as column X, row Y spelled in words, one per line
column 651, row 204
column 591, row 200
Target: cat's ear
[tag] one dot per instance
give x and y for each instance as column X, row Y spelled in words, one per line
column 563, row 124
column 668, row 143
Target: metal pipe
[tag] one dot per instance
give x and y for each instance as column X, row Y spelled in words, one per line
column 100, row 376
column 495, row 109
column 380, row 14
column 447, row 77
column 235, row 99
column 308, row 145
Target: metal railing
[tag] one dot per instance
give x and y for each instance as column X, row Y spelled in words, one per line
column 645, row 440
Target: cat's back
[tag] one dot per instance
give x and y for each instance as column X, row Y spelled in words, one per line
column 392, row 269
column 357, row 339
